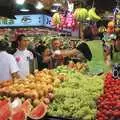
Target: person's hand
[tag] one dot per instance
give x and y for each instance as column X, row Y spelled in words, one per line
column 57, row 52
column 53, row 55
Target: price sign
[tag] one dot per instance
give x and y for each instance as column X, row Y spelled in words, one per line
column 116, row 71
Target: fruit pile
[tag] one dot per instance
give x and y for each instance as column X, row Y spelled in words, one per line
column 109, row 103
column 76, row 97
column 38, row 88
column 17, row 110
column 33, row 87
column 80, row 67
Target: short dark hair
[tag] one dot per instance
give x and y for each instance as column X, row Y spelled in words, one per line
column 54, row 39
column 20, row 37
column 3, row 45
column 84, row 48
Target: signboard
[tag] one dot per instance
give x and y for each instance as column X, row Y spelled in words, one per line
column 22, row 20
column 31, row 20
column 47, row 21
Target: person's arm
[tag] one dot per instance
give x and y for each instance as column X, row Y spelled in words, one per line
column 14, row 68
column 46, row 59
column 15, row 76
column 69, row 53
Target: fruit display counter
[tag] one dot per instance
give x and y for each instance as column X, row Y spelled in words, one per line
column 37, row 90
column 108, row 104
column 31, row 97
column 64, row 93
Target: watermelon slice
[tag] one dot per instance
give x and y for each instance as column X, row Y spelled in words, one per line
column 19, row 115
column 26, row 106
column 5, row 110
column 3, row 102
column 38, row 112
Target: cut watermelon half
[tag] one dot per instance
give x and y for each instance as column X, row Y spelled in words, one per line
column 19, row 115
column 5, row 110
column 38, row 112
column 26, row 106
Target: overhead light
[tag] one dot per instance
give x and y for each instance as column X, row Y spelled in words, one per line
column 57, row 4
column 24, row 10
column 39, row 6
column 53, row 10
column 20, row 2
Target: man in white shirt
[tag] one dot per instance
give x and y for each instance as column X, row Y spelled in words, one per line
column 8, row 65
column 23, row 56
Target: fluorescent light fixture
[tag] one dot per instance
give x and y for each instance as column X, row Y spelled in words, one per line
column 53, row 10
column 24, row 10
column 57, row 4
column 39, row 6
column 20, row 2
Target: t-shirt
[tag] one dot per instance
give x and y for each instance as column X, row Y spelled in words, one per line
column 8, row 66
column 23, row 58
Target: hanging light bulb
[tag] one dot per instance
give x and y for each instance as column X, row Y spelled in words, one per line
column 20, row 2
column 39, row 5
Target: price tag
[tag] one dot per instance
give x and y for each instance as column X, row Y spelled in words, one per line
column 116, row 71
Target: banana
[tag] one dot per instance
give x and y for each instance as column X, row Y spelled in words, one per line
column 56, row 18
column 76, row 13
column 80, row 14
column 83, row 14
column 92, row 15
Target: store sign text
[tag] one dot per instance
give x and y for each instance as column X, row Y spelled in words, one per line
column 6, row 21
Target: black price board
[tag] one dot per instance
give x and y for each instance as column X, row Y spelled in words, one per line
column 116, row 71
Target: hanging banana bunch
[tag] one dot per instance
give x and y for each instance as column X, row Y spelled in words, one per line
column 92, row 15
column 56, row 19
column 81, row 14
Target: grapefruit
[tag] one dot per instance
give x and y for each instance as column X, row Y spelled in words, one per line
column 26, row 106
column 38, row 112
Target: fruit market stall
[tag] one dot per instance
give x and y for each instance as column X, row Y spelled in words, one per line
column 62, row 92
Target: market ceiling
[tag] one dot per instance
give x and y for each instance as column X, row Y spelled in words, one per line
column 99, row 4
column 103, row 4
column 10, row 7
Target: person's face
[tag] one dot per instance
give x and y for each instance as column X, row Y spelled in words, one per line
column 23, row 44
column 72, row 44
column 47, row 52
column 56, row 44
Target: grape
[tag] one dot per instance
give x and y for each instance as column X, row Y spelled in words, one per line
column 76, row 97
